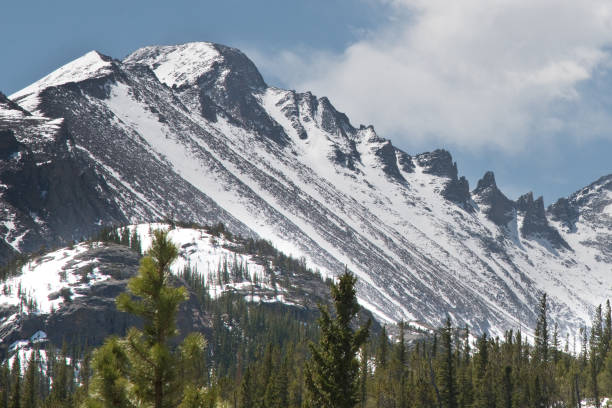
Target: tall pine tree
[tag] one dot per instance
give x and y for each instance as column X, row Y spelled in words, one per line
column 143, row 369
column 332, row 374
column 447, row 373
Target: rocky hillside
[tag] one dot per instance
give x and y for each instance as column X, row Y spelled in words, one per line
column 69, row 294
column 193, row 132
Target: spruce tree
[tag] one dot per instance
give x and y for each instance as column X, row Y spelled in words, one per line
column 332, row 373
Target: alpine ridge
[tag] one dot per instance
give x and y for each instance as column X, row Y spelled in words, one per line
column 192, row 132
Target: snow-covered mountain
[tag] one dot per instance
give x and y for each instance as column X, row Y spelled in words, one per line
column 193, row 132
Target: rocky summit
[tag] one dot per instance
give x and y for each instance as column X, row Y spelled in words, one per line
column 192, row 132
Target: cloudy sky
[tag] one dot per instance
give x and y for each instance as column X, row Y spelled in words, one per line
column 520, row 87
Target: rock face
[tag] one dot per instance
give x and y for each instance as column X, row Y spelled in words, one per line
column 535, row 222
column 194, row 133
column 497, row 207
column 94, row 308
column 585, row 221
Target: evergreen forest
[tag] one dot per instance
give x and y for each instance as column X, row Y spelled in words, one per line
column 277, row 356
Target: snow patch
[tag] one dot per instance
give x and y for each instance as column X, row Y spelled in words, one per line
column 178, row 65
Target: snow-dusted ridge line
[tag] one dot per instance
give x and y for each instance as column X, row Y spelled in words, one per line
column 288, row 167
column 178, row 65
column 91, row 65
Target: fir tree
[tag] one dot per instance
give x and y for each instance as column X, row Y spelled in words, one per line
column 332, row 374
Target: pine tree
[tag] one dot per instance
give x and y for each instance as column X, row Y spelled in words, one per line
column 383, row 343
column 282, row 386
column 109, row 385
column 15, row 397
column 596, row 350
column 30, row 382
column 332, row 373
column 583, row 346
column 447, row 378
column 5, row 384
column 541, row 332
column 364, row 376
column 555, row 344
column 246, row 390
column 398, row 367
column 62, row 378
column 507, row 388
column 142, row 369
column 135, row 242
column 483, row 393
column 607, row 330
column 153, row 365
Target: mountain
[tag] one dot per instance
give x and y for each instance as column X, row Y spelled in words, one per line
column 192, row 132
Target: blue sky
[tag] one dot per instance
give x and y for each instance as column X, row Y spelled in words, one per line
column 522, row 89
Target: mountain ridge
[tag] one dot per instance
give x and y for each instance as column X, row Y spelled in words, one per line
column 223, row 146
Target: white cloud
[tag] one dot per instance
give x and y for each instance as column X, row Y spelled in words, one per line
column 470, row 73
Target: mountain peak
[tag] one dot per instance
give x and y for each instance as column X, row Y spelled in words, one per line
column 497, row 207
column 91, row 65
column 177, row 65
column 183, row 65
column 439, row 163
column 488, row 180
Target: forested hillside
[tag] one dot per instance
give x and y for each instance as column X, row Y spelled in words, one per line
column 260, row 354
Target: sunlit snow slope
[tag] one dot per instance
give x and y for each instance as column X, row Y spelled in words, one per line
column 194, row 133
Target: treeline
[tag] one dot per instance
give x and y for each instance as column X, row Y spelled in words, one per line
column 271, row 356
column 256, row 356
